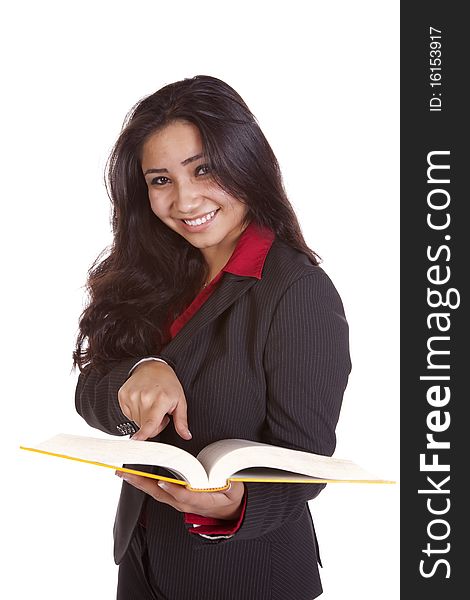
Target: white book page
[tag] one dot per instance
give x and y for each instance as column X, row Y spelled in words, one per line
column 116, row 452
column 227, row 457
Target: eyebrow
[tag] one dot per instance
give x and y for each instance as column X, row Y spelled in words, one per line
column 185, row 162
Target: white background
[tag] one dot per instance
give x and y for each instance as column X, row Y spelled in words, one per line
column 322, row 79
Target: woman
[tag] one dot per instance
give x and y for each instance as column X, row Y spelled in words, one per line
column 210, row 319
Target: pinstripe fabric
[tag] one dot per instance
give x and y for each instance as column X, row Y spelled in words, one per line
column 133, row 579
column 266, row 360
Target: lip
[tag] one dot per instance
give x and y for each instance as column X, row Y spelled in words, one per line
column 201, row 227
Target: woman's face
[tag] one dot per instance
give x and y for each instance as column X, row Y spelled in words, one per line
column 183, row 194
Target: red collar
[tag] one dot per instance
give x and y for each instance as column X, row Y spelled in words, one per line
column 251, row 250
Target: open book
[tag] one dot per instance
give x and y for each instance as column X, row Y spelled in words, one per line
column 214, row 467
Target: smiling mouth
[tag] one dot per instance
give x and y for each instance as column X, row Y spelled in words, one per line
column 201, row 220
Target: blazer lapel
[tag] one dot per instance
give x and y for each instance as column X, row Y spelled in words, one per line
column 230, row 288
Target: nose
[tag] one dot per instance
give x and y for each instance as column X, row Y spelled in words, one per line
column 187, row 197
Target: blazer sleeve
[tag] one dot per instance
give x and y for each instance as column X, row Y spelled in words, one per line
column 307, row 364
column 96, row 397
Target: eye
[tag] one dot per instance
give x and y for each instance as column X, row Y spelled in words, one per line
column 158, row 180
column 204, row 168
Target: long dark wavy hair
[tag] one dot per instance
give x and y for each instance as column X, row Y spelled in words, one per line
column 150, row 273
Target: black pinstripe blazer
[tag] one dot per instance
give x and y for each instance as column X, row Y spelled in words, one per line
column 266, row 360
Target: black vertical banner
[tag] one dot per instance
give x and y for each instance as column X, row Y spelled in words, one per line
column 435, row 242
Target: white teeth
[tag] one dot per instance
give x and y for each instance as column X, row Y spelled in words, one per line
column 202, row 220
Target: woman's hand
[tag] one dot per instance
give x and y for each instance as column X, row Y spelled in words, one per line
column 151, row 393
column 218, row 505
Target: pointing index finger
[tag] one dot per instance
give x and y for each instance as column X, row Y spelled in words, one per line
column 151, row 425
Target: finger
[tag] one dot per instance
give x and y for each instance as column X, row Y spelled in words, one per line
column 194, row 500
column 146, row 484
column 177, row 492
column 164, row 423
column 150, row 487
column 141, row 436
column 185, row 500
column 133, row 416
column 123, row 403
column 151, row 424
column 235, row 490
column 180, row 421
column 126, row 411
